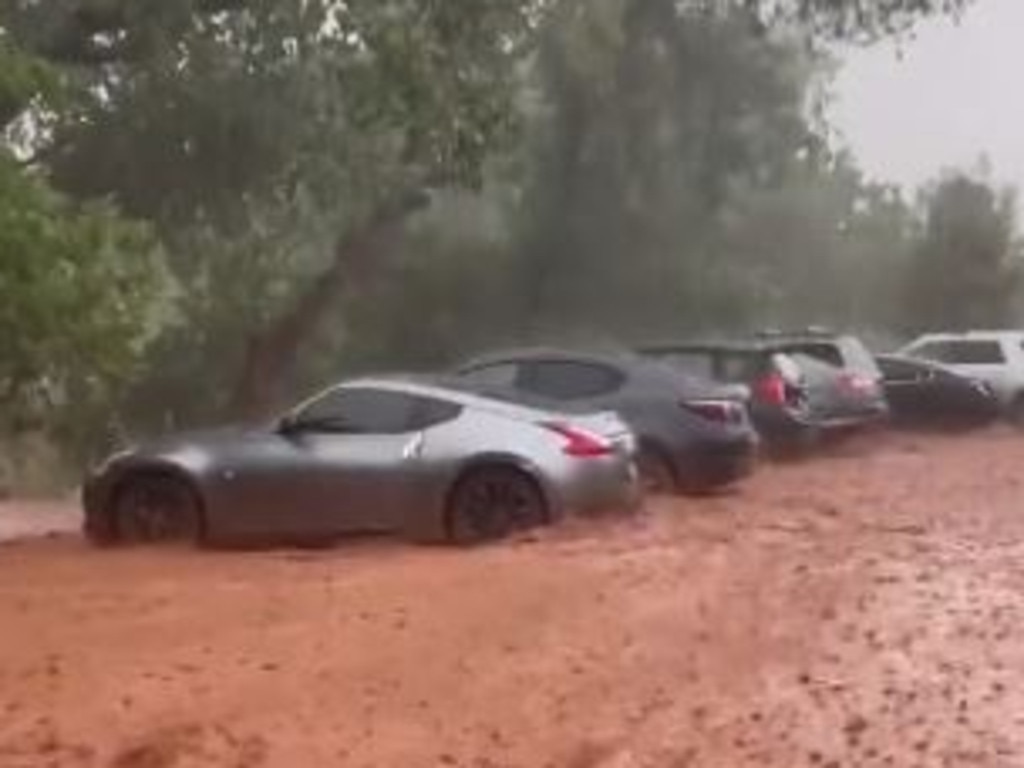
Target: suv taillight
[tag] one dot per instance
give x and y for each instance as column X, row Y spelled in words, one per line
column 718, row 411
column 579, row 443
column 771, row 389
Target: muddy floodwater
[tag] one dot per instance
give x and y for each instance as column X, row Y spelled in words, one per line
column 865, row 608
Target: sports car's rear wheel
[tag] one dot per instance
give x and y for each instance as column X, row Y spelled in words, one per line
column 491, row 502
column 154, row 508
column 656, row 474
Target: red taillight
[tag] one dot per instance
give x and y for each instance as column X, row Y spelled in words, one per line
column 771, row 389
column 579, row 443
column 720, row 411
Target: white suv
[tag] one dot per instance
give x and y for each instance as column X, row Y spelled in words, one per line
column 994, row 357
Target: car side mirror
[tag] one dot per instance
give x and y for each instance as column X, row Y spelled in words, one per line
column 288, row 424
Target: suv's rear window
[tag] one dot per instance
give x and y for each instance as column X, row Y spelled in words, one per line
column 961, row 352
column 739, row 367
column 826, row 353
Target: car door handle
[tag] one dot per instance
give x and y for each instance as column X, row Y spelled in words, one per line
column 413, row 447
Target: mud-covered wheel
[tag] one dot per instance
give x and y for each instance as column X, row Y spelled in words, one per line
column 491, row 502
column 656, row 474
column 152, row 509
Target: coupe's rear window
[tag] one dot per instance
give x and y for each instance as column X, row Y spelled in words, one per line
column 961, row 352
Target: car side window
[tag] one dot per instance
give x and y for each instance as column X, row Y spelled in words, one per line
column 494, row 375
column 431, row 412
column 929, row 350
column 570, row 380
column 974, row 353
column 961, row 352
column 900, row 371
column 361, row 411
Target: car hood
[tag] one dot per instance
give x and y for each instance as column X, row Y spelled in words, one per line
column 196, row 449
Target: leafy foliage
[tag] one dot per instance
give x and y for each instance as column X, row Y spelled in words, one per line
column 382, row 183
column 78, row 290
column 968, row 265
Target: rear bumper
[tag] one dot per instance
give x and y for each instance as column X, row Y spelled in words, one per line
column 778, row 425
column 874, row 416
column 598, row 487
column 774, row 424
column 717, row 464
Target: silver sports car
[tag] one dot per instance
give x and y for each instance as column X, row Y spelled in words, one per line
column 397, row 455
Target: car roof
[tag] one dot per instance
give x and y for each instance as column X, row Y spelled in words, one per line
column 448, row 389
column 909, row 360
column 519, row 354
column 979, row 335
column 728, row 345
column 757, row 344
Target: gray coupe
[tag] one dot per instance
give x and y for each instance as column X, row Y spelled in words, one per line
column 395, row 455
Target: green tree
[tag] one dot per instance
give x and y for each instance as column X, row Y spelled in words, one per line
column 821, row 246
column 654, row 120
column 281, row 150
column 79, row 285
column 968, row 264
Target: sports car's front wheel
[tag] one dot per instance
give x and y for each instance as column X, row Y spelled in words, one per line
column 153, row 508
column 491, row 502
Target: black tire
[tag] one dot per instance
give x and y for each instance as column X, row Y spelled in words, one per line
column 491, row 502
column 157, row 509
column 657, row 476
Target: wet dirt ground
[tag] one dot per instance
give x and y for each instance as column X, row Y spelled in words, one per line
column 861, row 609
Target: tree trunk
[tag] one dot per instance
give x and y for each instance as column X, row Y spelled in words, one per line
column 272, row 353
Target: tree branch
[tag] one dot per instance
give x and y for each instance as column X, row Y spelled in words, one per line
column 272, row 353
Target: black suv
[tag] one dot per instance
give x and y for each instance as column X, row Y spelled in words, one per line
column 694, row 435
column 802, row 383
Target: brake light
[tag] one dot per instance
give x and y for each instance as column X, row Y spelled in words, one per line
column 719, row 411
column 579, row 443
column 771, row 389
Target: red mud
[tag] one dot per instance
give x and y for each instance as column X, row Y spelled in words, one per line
column 857, row 610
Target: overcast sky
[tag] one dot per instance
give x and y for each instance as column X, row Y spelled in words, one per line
column 957, row 92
